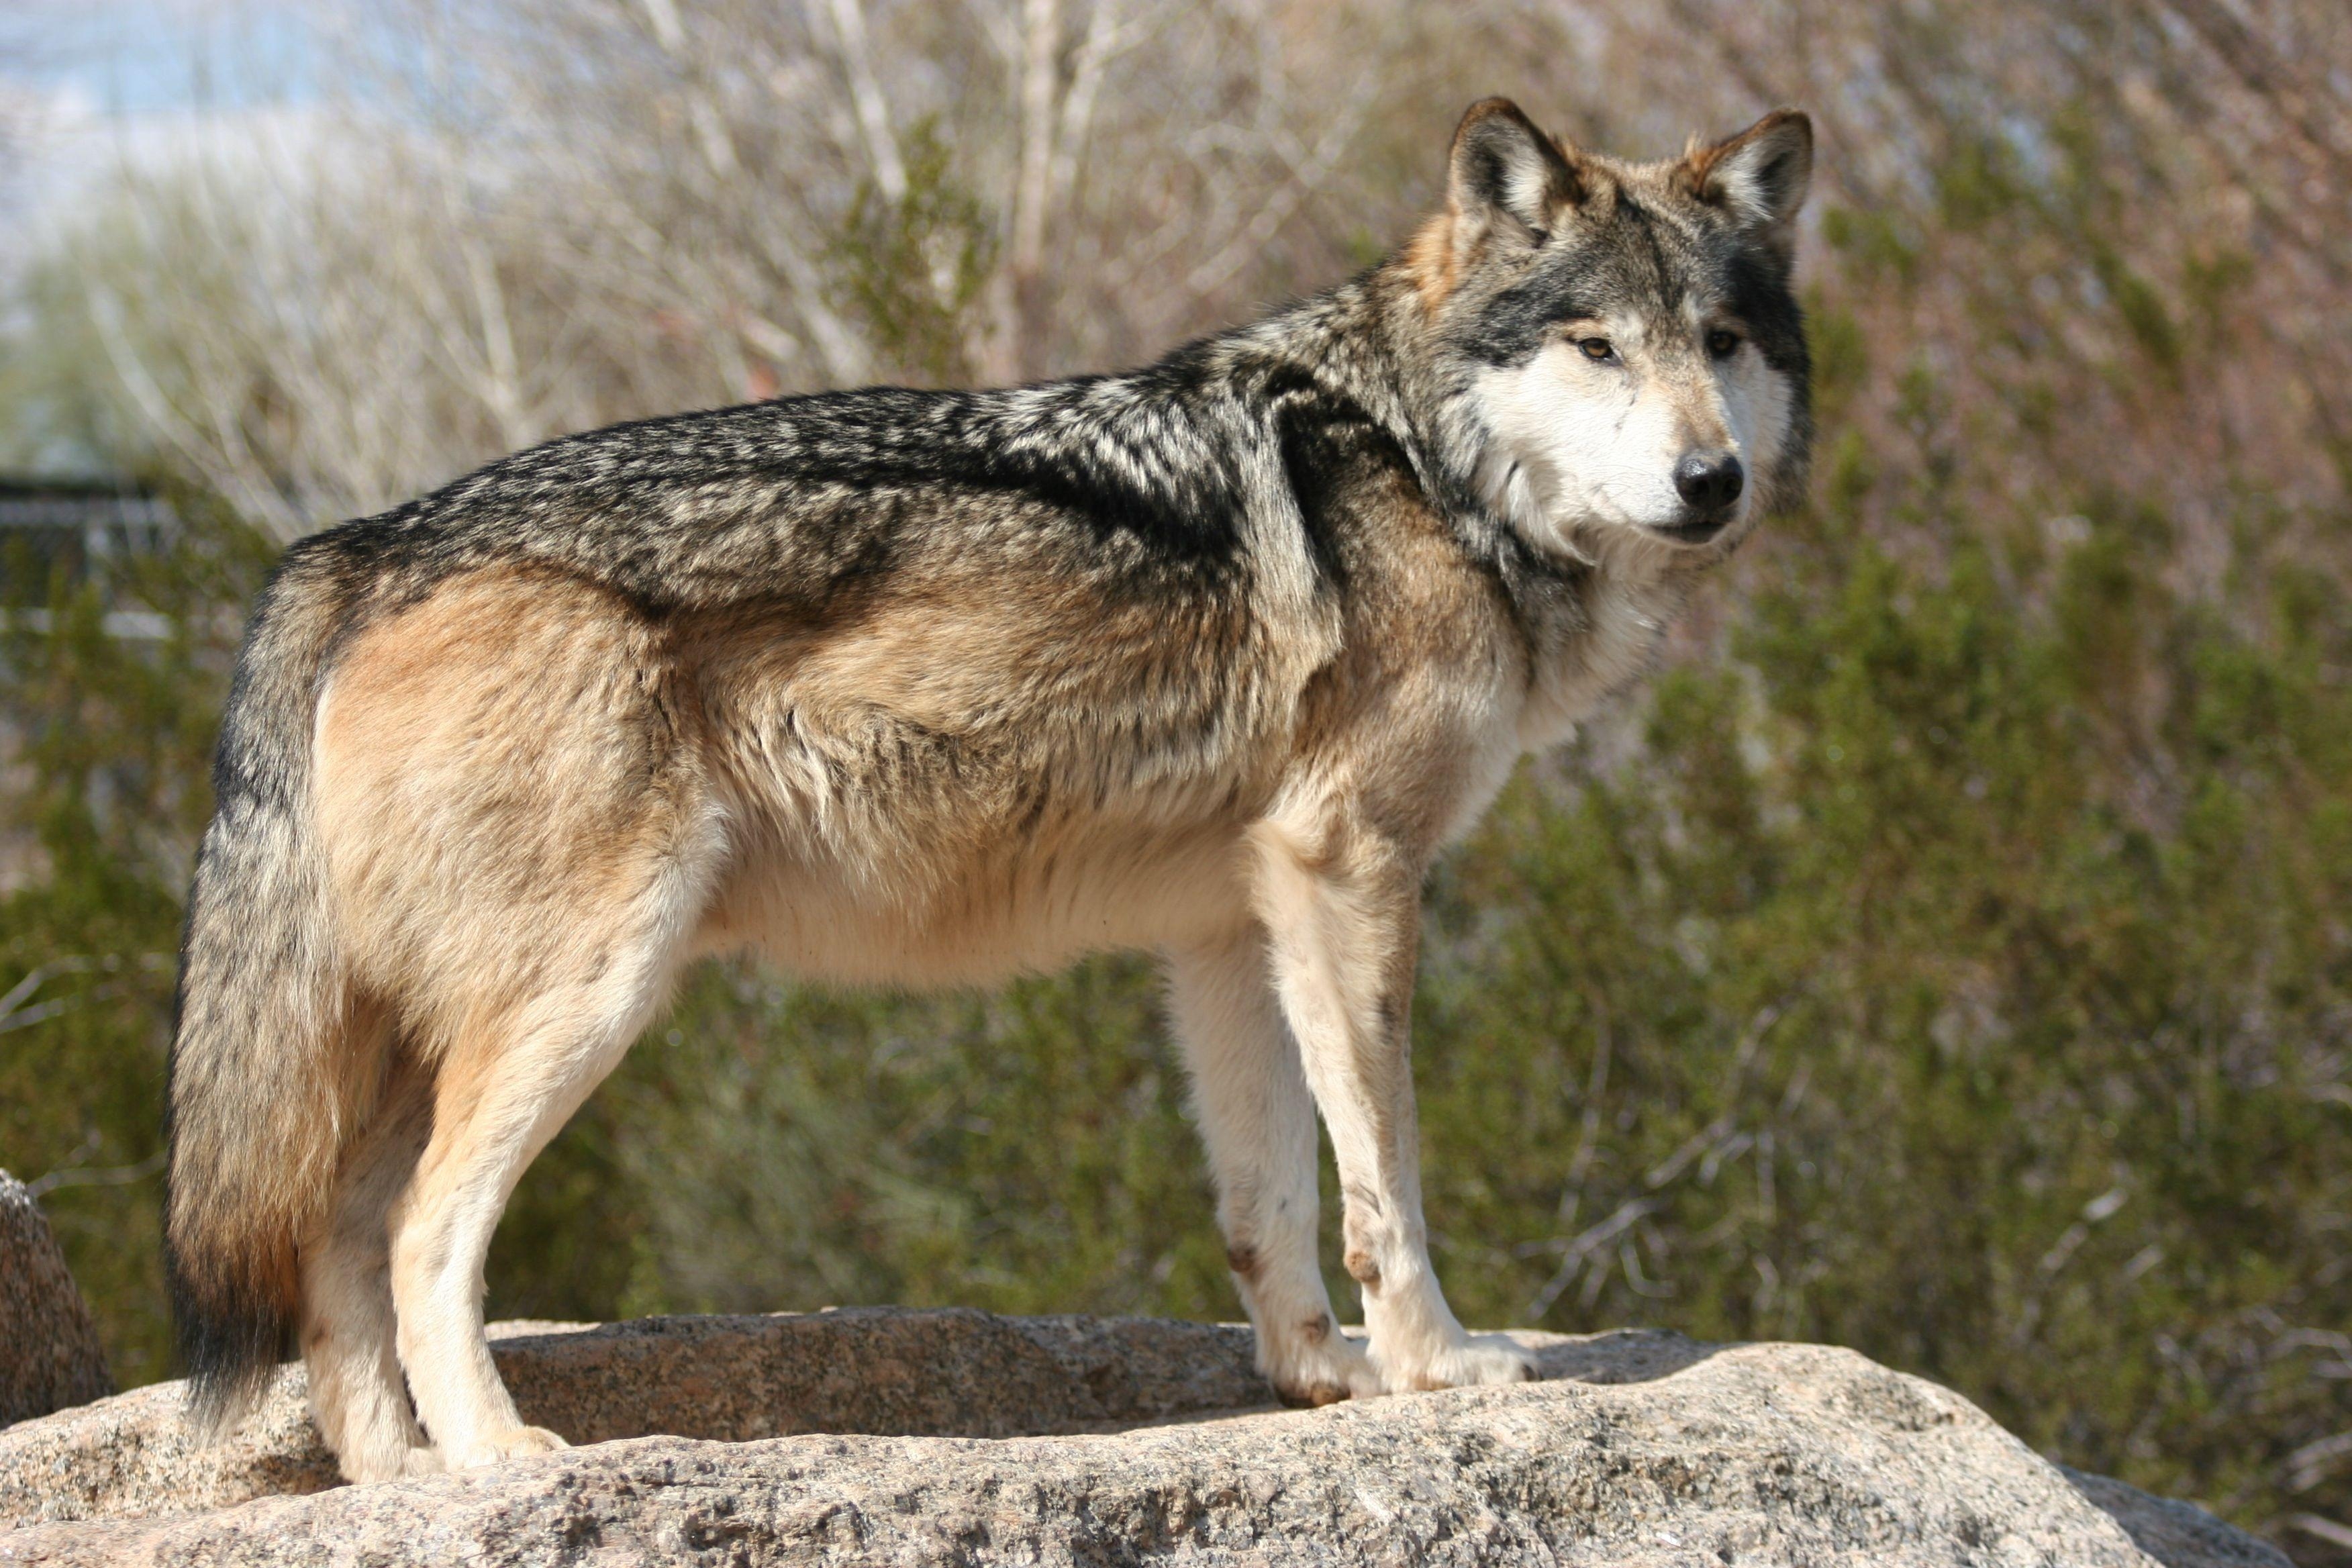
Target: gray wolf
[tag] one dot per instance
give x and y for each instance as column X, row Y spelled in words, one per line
column 1210, row 658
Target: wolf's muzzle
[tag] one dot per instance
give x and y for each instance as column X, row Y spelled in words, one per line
column 1710, row 483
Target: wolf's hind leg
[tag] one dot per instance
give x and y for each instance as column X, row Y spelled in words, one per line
column 514, row 815
column 508, row 1085
column 1250, row 1099
column 357, row 1395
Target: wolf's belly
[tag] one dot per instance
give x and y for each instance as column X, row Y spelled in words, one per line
column 976, row 918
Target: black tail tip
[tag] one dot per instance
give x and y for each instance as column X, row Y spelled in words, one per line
column 230, row 1344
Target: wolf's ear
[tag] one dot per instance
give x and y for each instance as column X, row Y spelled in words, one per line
column 1507, row 174
column 1758, row 176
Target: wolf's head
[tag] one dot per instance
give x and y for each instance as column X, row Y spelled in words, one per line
column 1622, row 338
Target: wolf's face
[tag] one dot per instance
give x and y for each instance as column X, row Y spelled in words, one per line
column 1624, row 336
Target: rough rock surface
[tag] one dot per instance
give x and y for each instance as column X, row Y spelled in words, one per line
column 49, row 1354
column 951, row 1373
column 899, row 1436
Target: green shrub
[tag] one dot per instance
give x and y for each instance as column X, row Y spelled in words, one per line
column 100, row 807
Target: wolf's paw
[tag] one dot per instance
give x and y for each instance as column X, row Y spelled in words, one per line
column 515, row 1443
column 1477, row 1359
column 387, row 1462
column 1322, row 1369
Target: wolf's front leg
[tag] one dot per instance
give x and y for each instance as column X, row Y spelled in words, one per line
column 1257, row 1121
column 1343, row 908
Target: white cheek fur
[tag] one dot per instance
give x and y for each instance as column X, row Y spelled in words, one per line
column 1571, row 445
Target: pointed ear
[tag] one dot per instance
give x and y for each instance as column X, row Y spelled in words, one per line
column 1758, row 176
column 1506, row 176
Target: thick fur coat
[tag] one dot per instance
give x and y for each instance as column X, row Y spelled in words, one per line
column 1210, row 659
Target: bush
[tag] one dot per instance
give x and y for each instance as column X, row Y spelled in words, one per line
column 1959, row 977
column 100, row 807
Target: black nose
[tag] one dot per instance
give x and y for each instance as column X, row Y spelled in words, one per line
column 1709, row 481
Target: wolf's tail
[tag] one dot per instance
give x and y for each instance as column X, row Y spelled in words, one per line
column 263, row 1088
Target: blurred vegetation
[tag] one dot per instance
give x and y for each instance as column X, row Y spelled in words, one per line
column 1949, row 953
column 105, row 753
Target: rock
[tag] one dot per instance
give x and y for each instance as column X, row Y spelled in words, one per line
column 886, row 1435
column 2176, row 1534
column 49, row 1354
column 949, row 1372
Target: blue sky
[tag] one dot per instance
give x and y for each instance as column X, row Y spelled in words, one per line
column 139, row 57
column 89, row 86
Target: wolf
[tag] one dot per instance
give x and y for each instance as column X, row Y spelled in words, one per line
column 1210, row 659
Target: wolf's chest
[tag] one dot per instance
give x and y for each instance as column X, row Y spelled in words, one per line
column 1624, row 620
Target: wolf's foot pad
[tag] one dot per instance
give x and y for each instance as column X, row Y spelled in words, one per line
column 1479, row 1359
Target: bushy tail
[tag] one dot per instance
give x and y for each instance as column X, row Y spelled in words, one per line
column 261, row 1091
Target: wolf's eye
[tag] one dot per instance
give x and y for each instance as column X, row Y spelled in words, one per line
column 1722, row 342
column 1596, row 348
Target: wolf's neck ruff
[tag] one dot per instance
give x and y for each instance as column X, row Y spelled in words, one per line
column 1210, row 658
